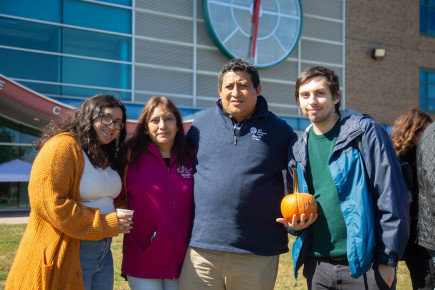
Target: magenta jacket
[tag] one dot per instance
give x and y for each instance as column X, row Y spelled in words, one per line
column 162, row 200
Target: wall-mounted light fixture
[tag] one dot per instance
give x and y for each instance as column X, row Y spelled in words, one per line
column 378, row 53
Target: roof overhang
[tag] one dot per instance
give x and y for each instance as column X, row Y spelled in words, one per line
column 32, row 109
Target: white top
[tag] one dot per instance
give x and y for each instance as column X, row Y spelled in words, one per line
column 98, row 187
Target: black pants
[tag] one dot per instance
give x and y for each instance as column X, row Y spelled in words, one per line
column 332, row 274
column 419, row 262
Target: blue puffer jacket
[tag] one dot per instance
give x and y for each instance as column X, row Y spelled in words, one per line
column 372, row 194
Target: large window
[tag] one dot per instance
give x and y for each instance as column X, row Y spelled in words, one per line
column 15, row 148
column 47, row 10
column 72, row 49
column 427, row 17
column 102, row 17
column 427, row 90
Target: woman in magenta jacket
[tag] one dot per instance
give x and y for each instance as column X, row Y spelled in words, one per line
column 159, row 188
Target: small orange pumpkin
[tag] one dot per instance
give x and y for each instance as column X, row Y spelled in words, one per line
column 298, row 202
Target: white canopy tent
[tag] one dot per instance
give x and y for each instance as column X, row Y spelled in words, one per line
column 15, row 171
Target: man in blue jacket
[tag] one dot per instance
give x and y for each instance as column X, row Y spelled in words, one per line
column 238, row 186
column 347, row 162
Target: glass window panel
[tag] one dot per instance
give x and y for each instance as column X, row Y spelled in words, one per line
column 423, row 97
column 431, row 91
column 8, row 135
column 97, row 16
column 26, row 34
column 94, row 44
column 28, row 153
column 423, row 19
column 431, row 17
column 431, row 77
column 11, row 132
column 23, row 199
column 9, row 152
column 96, row 73
column 423, row 76
column 430, row 2
column 8, row 195
column 89, row 92
column 431, row 106
column 6, row 200
column 423, row 2
column 48, row 10
column 119, row 2
column 28, row 138
column 28, row 135
column 29, row 65
column 44, row 89
column 59, row 91
column 14, row 195
column 12, row 125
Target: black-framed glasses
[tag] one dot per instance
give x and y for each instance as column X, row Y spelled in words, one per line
column 107, row 120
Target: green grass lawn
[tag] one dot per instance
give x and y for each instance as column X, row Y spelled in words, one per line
column 10, row 236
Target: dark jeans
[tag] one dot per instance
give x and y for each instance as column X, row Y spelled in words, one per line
column 418, row 261
column 331, row 274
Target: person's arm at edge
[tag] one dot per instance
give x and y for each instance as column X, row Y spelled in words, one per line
column 424, row 163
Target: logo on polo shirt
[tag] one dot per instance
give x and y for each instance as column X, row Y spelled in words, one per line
column 257, row 133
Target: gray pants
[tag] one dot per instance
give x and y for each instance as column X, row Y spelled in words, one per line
column 331, row 274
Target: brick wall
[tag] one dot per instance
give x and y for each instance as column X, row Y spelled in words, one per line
column 387, row 87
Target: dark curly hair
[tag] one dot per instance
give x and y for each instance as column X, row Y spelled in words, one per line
column 239, row 64
column 79, row 123
column 405, row 128
column 140, row 139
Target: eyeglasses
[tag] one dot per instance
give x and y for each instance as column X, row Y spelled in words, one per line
column 107, row 120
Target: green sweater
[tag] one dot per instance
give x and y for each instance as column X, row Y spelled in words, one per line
column 329, row 238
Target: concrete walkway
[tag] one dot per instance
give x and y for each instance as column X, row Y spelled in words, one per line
column 14, row 217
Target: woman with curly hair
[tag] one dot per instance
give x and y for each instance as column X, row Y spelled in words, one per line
column 407, row 130
column 406, row 133
column 74, row 180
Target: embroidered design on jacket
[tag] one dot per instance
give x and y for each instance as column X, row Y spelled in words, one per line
column 257, row 133
column 185, row 172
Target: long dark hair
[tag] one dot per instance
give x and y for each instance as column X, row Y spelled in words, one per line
column 405, row 128
column 79, row 122
column 140, row 139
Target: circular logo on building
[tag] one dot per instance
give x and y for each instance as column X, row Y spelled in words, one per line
column 262, row 31
column 253, row 130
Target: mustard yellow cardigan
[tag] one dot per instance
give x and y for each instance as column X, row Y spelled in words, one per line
column 48, row 255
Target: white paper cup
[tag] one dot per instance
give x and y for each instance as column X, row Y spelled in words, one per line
column 126, row 211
